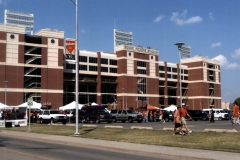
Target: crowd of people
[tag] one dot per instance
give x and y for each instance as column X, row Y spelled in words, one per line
column 11, row 114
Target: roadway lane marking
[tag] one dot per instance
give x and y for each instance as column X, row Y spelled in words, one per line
column 28, row 154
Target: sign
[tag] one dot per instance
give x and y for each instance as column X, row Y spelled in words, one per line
column 70, row 48
column 30, row 101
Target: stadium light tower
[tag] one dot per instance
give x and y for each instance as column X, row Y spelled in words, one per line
column 183, row 51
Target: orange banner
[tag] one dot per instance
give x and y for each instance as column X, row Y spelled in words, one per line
column 70, row 46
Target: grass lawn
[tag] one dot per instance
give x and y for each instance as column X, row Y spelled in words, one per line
column 199, row 140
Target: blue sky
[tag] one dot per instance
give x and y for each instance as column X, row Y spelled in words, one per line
column 210, row 27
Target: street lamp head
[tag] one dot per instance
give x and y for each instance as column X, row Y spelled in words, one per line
column 179, row 44
column 123, row 89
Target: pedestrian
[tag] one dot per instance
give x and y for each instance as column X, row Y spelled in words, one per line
column 184, row 114
column 211, row 116
column 149, row 116
column 161, row 119
column 177, row 121
column 145, row 116
column 235, row 116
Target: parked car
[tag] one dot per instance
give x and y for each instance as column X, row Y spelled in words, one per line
column 198, row 115
column 95, row 114
column 219, row 114
column 52, row 116
column 126, row 115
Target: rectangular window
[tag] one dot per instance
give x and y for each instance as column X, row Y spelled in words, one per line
column 70, row 66
column 162, row 75
column 83, row 59
column 92, row 60
column 142, row 85
column 185, row 77
column 83, row 67
column 174, row 70
column 169, row 69
column 169, row 76
column 141, row 64
column 104, row 61
column 113, row 70
column 104, row 69
column 113, row 62
column 141, row 71
column 185, row 71
column 161, row 68
column 174, row 76
column 92, row 68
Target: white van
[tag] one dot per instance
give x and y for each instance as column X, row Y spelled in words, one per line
column 219, row 114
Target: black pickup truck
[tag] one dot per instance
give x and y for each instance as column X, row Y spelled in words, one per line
column 198, row 115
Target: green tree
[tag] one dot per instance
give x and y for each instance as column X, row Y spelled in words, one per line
column 237, row 101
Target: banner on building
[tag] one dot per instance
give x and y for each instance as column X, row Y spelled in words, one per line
column 70, row 46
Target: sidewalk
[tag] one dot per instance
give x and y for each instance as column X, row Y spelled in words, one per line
column 151, row 149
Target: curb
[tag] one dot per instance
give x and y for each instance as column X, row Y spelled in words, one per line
column 137, row 127
column 113, row 127
column 86, row 125
column 220, row 130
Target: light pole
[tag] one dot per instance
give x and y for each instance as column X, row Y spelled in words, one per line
column 123, row 97
column 5, row 98
column 76, row 68
column 183, row 51
column 5, row 101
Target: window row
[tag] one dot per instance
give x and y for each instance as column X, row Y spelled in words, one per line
column 94, row 60
column 141, row 64
column 172, row 69
column 173, row 76
column 91, row 68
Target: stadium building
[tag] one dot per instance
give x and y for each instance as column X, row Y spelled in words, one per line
column 34, row 66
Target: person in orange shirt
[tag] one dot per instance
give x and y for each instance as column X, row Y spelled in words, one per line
column 235, row 116
column 177, row 122
column 184, row 114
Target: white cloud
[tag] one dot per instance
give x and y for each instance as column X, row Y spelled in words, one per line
column 210, row 15
column 159, row 18
column 180, row 19
column 236, row 54
column 214, row 45
column 224, row 62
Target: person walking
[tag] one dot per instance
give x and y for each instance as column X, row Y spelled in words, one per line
column 184, row 114
column 211, row 116
column 177, row 121
column 161, row 118
column 235, row 116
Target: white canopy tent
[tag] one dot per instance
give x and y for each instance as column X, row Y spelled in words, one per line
column 71, row 105
column 171, row 108
column 2, row 106
column 94, row 104
column 34, row 106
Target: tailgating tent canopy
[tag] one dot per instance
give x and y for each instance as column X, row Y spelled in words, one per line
column 148, row 107
column 34, row 106
column 2, row 106
column 152, row 108
column 171, row 108
column 94, row 104
column 71, row 105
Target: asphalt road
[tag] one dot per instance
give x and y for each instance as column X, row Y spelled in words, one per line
column 23, row 149
column 193, row 125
